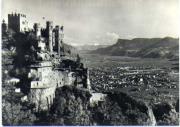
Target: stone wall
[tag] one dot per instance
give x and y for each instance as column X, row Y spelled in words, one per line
column 44, row 81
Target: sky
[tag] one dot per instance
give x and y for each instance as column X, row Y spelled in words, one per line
column 93, row 22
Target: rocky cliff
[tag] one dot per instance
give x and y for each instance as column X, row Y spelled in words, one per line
column 72, row 107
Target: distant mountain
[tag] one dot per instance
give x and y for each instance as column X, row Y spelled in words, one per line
column 89, row 47
column 142, row 47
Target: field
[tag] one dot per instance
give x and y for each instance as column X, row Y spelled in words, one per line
column 150, row 80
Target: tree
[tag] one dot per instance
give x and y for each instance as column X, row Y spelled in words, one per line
column 15, row 114
column 70, row 107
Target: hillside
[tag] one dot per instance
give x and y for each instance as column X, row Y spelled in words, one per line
column 89, row 47
column 142, row 47
column 70, row 50
column 72, row 107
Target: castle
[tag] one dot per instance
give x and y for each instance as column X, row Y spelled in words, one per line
column 50, row 68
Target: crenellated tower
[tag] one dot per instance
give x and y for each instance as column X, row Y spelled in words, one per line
column 17, row 22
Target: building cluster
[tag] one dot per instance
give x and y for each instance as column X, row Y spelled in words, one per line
column 53, row 35
column 43, row 77
column 105, row 79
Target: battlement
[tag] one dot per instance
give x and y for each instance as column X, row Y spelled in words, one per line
column 17, row 15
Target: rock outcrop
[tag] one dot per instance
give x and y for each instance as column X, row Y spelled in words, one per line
column 121, row 109
column 72, row 107
column 165, row 114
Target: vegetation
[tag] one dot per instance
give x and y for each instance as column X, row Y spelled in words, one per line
column 14, row 112
column 71, row 107
column 120, row 109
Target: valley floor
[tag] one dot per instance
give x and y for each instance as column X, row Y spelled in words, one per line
column 148, row 79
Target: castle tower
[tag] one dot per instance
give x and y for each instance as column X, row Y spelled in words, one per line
column 61, row 34
column 4, row 27
column 49, row 28
column 17, row 22
column 57, row 40
column 37, row 30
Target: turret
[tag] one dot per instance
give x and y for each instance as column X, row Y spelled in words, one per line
column 61, row 38
column 49, row 28
column 37, row 30
column 62, row 33
column 4, row 27
column 57, row 40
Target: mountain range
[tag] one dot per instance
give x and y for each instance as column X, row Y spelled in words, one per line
column 142, row 47
column 89, row 47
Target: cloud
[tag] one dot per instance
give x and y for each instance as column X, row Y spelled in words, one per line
column 112, row 35
column 72, row 41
